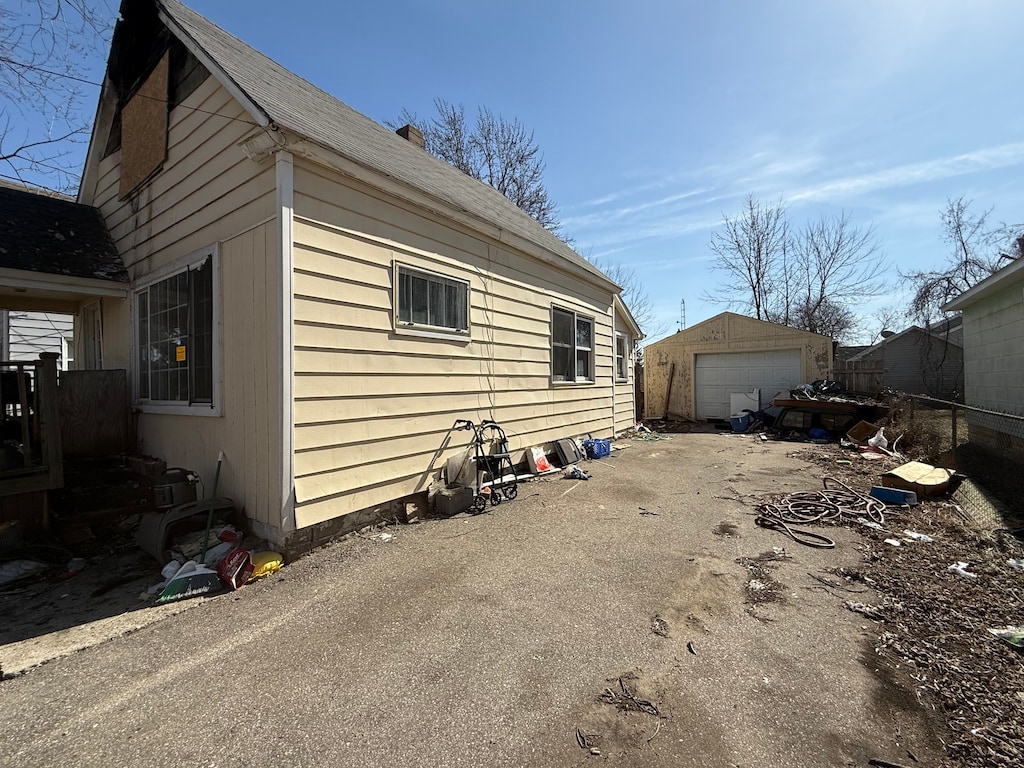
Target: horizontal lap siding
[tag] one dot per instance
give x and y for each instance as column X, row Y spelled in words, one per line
column 373, row 407
column 208, row 192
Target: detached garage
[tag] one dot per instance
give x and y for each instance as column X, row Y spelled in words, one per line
column 697, row 371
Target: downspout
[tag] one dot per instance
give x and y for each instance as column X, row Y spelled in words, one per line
column 285, row 174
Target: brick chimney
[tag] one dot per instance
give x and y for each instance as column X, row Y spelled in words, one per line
column 412, row 133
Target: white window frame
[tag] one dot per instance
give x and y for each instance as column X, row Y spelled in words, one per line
column 409, row 328
column 625, row 358
column 576, row 318
column 190, row 261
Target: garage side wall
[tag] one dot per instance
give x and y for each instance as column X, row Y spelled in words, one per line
column 674, row 359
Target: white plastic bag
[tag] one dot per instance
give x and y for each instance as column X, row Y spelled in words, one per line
column 879, row 440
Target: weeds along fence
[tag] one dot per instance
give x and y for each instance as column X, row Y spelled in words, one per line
column 983, row 444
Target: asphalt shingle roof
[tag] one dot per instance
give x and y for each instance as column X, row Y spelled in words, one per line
column 293, row 103
column 41, row 233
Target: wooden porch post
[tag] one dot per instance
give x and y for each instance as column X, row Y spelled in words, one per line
column 49, row 418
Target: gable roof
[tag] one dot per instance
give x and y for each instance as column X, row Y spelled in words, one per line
column 994, row 282
column 734, row 317
column 942, row 336
column 56, row 236
column 276, row 97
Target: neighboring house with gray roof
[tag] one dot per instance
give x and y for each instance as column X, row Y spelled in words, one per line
column 320, row 298
column 917, row 360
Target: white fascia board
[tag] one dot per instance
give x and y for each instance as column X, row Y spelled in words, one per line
column 986, row 287
column 44, row 281
column 255, row 110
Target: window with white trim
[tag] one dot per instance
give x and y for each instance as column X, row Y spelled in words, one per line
column 430, row 301
column 621, row 357
column 174, row 337
column 572, row 346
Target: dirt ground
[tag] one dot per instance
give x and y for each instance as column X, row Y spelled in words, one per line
column 640, row 618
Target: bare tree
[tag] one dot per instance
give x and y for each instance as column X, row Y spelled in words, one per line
column 976, row 251
column 634, row 295
column 811, row 280
column 43, row 44
column 752, row 249
column 494, row 150
column 837, row 266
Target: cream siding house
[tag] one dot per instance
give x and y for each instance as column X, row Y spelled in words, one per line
column 319, row 298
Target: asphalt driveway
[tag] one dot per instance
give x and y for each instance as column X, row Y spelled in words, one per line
column 639, row 618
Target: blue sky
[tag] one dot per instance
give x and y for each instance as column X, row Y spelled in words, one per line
column 657, row 118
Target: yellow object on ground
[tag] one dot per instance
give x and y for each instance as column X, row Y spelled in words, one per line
column 265, row 563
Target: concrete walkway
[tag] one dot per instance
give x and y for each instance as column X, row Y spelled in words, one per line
column 506, row 638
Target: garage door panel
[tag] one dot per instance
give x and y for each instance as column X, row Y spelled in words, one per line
column 717, row 375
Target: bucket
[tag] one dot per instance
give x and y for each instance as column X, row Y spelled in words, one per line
column 740, row 422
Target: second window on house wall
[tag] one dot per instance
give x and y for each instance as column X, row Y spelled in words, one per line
column 430, row 301
column 621, row 357
column 572, row 346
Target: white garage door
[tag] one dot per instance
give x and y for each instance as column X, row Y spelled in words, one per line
column 719, row 374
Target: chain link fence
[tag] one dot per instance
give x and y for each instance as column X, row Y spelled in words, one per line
column 985, row 446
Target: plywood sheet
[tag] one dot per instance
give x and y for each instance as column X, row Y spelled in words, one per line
column 144, row 130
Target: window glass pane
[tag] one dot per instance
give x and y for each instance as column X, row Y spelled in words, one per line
column 404, row 297
column 582, row 365
column 562, row 364
column 419, row 299
column 584, row 333
column 561, row 327
column 435, row 305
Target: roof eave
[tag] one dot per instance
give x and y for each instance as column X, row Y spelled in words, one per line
column 986, row 287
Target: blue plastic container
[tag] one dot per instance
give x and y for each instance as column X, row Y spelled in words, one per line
column 597, row 448
column 740, row 422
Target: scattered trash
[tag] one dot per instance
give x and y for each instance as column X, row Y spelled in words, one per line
column 879, row 440
column 236, row 568
column 844, row 462
column 870, row 611
column 386, row 536
column 893, row 542
column 659, row 627
column 917, row 476
column 191, row 580
column 870, row 523
column 1016, row 563
column 1013, row 635
column 689, row 647
column 538, row 460
column 870, row 453
column 960, row 569
column 893, row 495
column 597, row 448
column 918, row 536
column 573, row 472
column 19, row 569
column 266, row 563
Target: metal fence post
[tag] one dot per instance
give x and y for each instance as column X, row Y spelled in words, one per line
column 953, row 411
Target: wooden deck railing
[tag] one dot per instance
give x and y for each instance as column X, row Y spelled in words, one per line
column 30, row 454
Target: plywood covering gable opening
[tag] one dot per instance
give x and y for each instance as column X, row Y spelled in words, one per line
column 144, row 130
